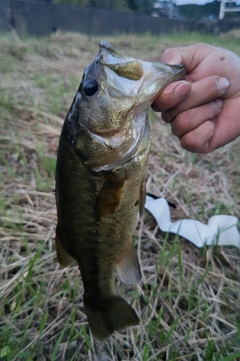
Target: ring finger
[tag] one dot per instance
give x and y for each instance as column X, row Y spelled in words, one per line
column 193, row 118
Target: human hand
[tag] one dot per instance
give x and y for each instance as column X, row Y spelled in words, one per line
column 204, row 108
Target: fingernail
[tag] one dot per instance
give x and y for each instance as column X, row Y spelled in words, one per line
column 182, row 89
column 223, row 83
column 219, row 103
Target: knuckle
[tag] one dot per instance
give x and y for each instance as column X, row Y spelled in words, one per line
column 197, row 140
column 184, row 120
column 190, row 142
column 181, row 124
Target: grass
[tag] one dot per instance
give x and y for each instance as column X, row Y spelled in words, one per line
column 189, row 300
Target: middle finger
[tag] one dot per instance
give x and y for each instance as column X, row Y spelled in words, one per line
column 203, row 91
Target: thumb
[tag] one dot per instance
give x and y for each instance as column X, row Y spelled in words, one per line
column 172, row 56
column 190, row 56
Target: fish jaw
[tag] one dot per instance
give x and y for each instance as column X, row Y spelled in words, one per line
column 135, row 78
column 156, row 77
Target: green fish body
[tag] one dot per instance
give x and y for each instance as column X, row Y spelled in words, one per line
column 100, row 179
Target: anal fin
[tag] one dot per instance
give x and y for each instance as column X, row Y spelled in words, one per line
column 128, row 267
column 64, row 258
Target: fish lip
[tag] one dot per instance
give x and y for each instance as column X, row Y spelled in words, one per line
column 107, row 46
column 181, row 69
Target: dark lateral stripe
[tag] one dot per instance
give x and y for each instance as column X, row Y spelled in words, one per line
column 110, row 195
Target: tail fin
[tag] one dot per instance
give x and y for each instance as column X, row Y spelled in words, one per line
column 113, row 314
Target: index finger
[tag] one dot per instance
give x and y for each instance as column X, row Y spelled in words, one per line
column 172, row 95
column 202, row 92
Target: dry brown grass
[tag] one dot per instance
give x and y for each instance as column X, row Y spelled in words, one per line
column 189, row 300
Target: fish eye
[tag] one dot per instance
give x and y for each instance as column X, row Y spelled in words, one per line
column 90, row 87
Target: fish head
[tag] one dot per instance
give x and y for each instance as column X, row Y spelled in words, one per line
column 114, row 95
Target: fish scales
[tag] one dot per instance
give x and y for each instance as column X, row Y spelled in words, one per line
column 101, row 164
column 95, row 206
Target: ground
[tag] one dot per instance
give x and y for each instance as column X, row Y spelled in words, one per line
column 189, row 299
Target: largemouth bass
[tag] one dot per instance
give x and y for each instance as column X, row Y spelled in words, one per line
column 100, row 189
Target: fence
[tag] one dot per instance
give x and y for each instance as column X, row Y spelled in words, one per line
column 42, row 18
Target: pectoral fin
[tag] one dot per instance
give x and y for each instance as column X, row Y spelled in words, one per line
column 128, row 267
column 63, row 257
column 142, row 196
